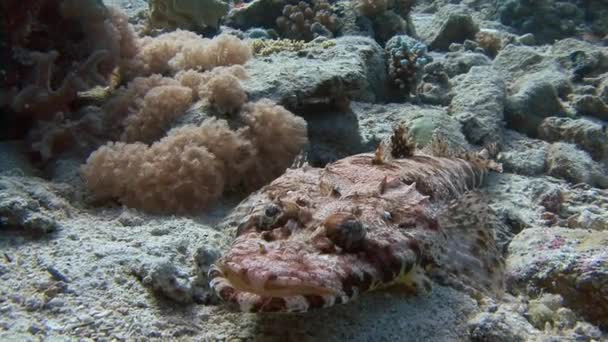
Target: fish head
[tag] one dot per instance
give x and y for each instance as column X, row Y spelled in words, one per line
column 308, row 245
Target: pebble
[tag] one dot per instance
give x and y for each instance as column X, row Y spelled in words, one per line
column 52, row 325
column 55, row 303
column 34, row 329
column 33, row 304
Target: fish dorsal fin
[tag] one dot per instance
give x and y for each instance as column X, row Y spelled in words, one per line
column 473, row 259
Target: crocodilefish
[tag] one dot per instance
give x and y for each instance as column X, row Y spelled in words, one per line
column 317, row 237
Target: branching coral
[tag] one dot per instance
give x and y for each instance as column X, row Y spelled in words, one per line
column 191, row 167
column 307, row 20
column 406, row 57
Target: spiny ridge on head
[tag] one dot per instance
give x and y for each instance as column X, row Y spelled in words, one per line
column 441, row 147
column 402, row 144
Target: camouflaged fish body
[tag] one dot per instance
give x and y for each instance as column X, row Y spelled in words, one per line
column 318, row 237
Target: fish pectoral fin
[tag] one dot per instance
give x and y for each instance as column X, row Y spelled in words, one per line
column 415, row 282
column 418, row 280
column 474, row 257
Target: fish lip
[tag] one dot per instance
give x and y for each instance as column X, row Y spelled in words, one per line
column 252, row 300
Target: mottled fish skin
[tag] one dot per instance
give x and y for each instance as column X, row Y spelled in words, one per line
column 315, row 237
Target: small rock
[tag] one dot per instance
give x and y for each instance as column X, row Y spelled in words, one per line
column 565, row 318
column 527, row 39
column 35, row 329
column 130, row 218
column 501, row 326
column 523, row 155
column 576, row 166
column 53, row 326
column 586, row 330
column 457, row 63
column 166, row 279
column 587, row 134
column 589, row 220
column 591, row 105
column 33, row 304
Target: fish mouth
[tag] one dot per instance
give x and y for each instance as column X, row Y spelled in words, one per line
column 258, row 290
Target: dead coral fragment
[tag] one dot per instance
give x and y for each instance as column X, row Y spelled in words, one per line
column 41, row 100
column 262, row 47
column 58, row 48
column 489, row 41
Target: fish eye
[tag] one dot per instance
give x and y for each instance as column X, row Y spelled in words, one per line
column 272, row 211
column 346, row 231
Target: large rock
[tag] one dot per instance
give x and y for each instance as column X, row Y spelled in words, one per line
column 30, row 205
column 334, row 135
column 257, row 13
column 514, row 61
column 452, row 24
column 569, row 262
column 534, row 98
column 353, row 68
column 479, row 103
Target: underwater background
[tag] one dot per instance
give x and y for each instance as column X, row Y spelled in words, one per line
column 131, row 130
